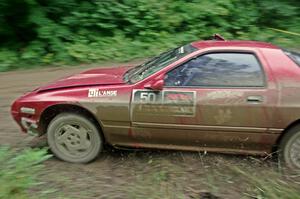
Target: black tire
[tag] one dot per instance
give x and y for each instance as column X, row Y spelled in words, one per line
column 289, row 147
column 74, row 138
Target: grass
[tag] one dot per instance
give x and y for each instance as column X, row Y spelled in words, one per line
column 213, row 177
column 270, row 185
column 19, row 171
column 138, row 175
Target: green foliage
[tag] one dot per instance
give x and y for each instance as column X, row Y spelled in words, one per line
column 43, row 32
column 274, row 186
column 8, row 59
column 18, row 171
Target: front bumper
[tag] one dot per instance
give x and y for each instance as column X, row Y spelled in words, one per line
column 26, row 118
column 30, row 126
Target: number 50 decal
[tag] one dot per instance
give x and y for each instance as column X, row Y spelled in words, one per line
column 147, row 97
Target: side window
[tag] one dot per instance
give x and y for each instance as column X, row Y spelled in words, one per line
column 294, row 56
column 218, row 70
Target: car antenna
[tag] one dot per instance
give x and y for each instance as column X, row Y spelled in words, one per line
column 218, row 37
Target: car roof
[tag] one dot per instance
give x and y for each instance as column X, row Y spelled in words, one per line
column 232, row 43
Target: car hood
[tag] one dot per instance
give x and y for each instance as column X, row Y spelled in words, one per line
column 99, row 76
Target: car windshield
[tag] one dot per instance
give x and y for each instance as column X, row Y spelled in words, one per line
column 155, row 64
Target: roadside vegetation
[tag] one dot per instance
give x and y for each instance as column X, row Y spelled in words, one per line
column 54, row 32
column 138, row 175
column 170, row 175
column 270, row 185
column 214, row 180
column 19, row 171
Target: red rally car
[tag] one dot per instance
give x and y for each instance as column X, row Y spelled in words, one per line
column 240, row 97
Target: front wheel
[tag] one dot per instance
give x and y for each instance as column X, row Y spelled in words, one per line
column 290, row 149
column 74, row 138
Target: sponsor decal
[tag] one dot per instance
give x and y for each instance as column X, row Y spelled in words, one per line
column 179, row 97
column 223, row 116
column 176, row 103
column 94, row 92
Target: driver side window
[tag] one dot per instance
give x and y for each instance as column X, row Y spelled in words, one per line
column 218, row 70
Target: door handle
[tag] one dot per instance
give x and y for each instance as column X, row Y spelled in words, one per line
column 255, row 99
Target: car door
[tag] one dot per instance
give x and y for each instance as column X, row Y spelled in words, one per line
column 156, row 113
column 217, row 101
column 236, row 102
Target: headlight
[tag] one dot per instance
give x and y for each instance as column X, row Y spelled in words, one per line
column 27, row 110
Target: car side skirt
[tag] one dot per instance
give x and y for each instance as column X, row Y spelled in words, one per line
column 236, row 140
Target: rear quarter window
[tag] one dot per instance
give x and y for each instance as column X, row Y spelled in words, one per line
column 293, row 56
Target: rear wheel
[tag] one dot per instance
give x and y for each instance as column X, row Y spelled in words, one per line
column 290, row 149
column 74, row 138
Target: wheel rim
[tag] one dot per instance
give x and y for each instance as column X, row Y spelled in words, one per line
column 295, row 152
column 73, row 139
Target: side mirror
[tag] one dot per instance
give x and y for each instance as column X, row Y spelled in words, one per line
column 157, row 85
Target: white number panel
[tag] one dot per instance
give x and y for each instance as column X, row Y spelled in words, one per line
column 169, row 102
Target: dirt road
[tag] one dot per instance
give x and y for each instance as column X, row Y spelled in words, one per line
column 126, row 174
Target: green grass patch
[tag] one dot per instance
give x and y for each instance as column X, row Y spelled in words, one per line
column 19, row 172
